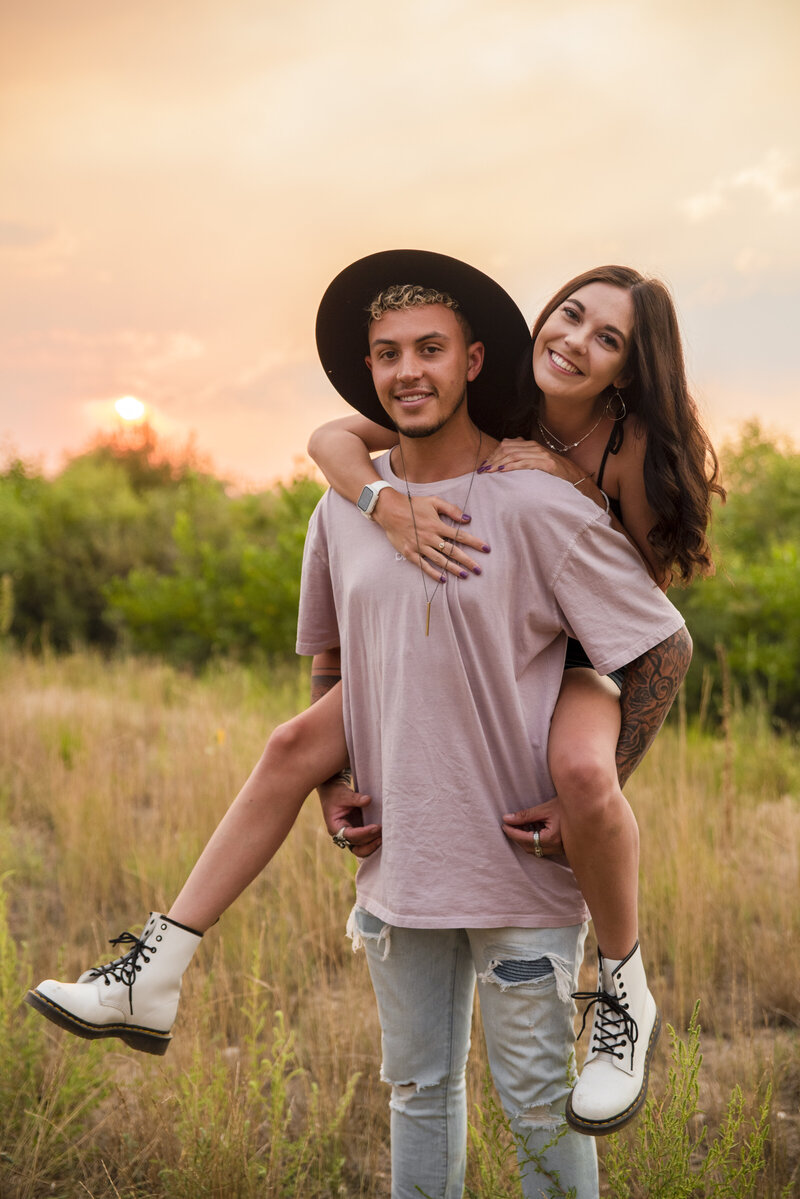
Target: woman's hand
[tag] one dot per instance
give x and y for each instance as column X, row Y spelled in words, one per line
column 515, row 454
column 544, row 818
column 435, row 545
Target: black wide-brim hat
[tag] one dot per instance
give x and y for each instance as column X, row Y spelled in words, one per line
column 495, row 400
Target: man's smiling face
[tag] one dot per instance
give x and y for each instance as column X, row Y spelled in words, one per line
column 421, row 365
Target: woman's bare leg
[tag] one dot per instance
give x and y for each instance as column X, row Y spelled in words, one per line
column 299, row 755
column 598, row 827
column 136, row 996
column 601, row 840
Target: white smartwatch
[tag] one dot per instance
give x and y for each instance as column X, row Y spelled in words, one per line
column 369, row 497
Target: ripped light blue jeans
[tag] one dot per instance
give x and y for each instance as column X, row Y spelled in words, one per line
column 424, row 982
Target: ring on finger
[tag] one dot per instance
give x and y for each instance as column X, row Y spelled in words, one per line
column 442, row 546
column 537, row 844
column 340, row 838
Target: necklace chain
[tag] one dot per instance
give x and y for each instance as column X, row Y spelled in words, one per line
column 429, row 598
column 554, row 442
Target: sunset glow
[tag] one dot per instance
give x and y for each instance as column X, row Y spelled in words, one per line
column 128, row 408
column 174, row 240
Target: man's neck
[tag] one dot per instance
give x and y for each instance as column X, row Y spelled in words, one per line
column 444, row 455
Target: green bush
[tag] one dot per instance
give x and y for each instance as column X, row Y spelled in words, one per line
column 128, row 548
column 234, row 585
column 124, row 548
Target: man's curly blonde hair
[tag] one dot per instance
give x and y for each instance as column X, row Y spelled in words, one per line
column 411, row 295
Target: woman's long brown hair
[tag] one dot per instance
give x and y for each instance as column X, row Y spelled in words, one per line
column 681, row 469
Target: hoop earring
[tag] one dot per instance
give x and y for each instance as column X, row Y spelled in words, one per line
column 607, row 411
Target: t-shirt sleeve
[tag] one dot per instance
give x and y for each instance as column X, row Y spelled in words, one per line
column 317, row 626
column 609, row 600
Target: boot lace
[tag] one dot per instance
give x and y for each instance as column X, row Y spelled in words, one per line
column 125, row 969
column 614, row 1026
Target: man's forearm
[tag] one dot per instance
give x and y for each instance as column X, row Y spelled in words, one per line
column 326, row 672
column 651, row 684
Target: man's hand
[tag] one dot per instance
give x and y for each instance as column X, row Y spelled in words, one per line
column 544, row 818
column 342, row 810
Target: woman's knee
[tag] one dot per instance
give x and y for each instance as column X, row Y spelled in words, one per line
column 312, row 740
column 285, row 743
column 585, row 775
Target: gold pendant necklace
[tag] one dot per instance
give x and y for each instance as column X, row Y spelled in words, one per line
column 429, row 598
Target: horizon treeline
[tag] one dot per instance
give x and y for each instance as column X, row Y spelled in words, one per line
column 129, row 549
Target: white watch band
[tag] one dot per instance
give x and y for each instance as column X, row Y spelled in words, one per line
column 369, row 497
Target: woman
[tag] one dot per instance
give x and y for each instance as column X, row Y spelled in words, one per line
column 612, row 416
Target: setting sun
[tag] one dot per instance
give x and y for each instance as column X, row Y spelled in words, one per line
column 129, row 408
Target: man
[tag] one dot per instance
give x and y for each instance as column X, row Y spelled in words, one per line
column 448, row 694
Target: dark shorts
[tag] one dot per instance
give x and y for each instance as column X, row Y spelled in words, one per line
column 577, row 656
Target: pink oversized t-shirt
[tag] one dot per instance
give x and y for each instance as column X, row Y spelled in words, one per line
column 449, row 731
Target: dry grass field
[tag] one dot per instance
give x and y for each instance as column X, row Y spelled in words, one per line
column 111, row 777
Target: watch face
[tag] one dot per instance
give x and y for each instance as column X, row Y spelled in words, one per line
column 365, row 499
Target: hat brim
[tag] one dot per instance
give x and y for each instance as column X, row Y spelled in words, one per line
column 495, row 403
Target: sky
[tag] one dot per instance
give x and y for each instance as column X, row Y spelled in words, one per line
column 180, row 180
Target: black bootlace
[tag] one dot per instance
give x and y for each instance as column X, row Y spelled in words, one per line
column 614, row 1025
column 125, row 969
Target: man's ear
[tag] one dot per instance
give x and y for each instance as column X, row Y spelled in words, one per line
column 368, row 361
column 475, row 353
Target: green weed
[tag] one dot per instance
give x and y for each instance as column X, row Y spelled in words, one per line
column 48, row 1100
column 251, row 1122
column 497, row 1155
column 102, row 826
column 670, row 1155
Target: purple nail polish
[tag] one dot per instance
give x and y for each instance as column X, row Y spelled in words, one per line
column 476, row 570
column 486, row 549
column 501, row 468
column 442, row 578
column 465, row 519
column 462, row 574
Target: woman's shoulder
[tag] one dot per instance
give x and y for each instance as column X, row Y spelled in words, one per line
column 623, row 470
column 635, row 431
column 634, row 444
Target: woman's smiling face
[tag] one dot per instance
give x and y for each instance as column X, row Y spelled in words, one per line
column 584, row 344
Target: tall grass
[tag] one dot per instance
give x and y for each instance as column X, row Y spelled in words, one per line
column 111, row 778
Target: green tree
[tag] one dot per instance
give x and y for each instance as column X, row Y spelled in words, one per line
column 749, row 609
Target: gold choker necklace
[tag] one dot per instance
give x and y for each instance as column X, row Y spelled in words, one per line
column 429, row 598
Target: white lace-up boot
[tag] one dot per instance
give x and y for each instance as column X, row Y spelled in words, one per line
column 613, row 1083
column 135, row 997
